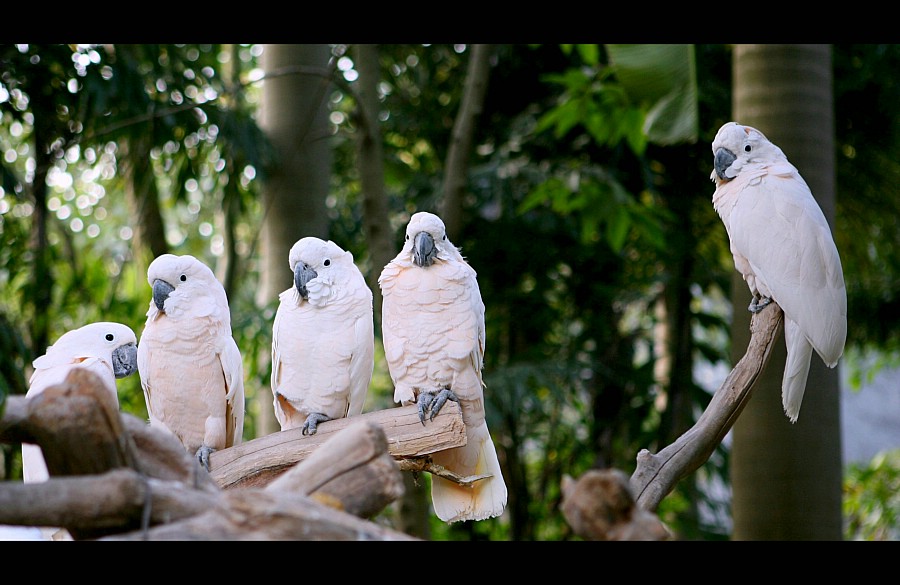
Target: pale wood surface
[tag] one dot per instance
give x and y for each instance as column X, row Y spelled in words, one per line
column 257, row 462
column 258, row 514
column 351, row 471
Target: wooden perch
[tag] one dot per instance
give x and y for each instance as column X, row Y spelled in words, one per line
column 257, row 462
column 114, row 477
column 656, row 475
column 600, row 506
column 257, row 514
column 349, row 475
column 102, row 503
column 343, row 470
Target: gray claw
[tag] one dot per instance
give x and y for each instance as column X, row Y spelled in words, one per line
column 423, row 402
column 438, row 401
column 312, row 421
column 758, row 304
column 433, row 401
column 203, row 455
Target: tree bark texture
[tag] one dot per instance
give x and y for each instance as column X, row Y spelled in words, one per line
column 600, row 505
column 258, row 462
column 786, row 478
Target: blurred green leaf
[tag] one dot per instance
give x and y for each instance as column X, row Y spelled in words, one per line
column 872, row 498
column 662, row 78
column 617, row 227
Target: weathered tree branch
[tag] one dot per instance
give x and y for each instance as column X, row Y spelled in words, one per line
column 101, row 503
column 258, row 514
column 421, row 464
column 460, row 150
column 349, row 475
column 351, row 471
column 257, row 462
column 656, row 475
column 602, row 505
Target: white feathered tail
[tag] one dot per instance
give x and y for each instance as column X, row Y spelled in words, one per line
column 486, row 498
column 796, row 368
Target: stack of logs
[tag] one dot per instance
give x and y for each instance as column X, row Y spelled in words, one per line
column 113, row 477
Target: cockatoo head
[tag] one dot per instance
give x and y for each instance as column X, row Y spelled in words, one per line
column 426, row 239
column 113, row 343
column 181, row 284
column 318, row 265
column 735, row 146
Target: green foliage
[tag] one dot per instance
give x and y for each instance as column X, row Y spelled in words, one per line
column 601, row 108
column 662, row 78
column 872, row 498
column 868, row 159
column 587, row 204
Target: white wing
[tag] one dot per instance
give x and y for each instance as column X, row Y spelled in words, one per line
column 777, row 225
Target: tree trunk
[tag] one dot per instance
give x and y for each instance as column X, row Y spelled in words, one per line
column 143, row 198
column 786, row 478
column 460, row 151
column 294, row 115
column 227, row 269
column 43, row 277
column 379, row 236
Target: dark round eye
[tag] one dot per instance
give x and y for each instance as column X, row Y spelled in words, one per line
column 407, row 236
column 747, row 148
column 183, row 278
column 327, row 262
column 110, row 337
column 445, row 237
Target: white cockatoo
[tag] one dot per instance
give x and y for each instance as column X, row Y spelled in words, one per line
column 783, row 247
column 105, row 348
column 190, row 366
column 434, row 336
column 323, row 339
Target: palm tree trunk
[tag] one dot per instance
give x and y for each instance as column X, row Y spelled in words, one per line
column 786, row 478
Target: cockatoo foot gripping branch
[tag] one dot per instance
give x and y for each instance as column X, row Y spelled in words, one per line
column 433, row 402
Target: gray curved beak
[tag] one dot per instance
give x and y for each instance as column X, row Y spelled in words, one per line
column 424, row 251
column 723, row 160
column 161, row 290
column 124, row 360
column 303, row 274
